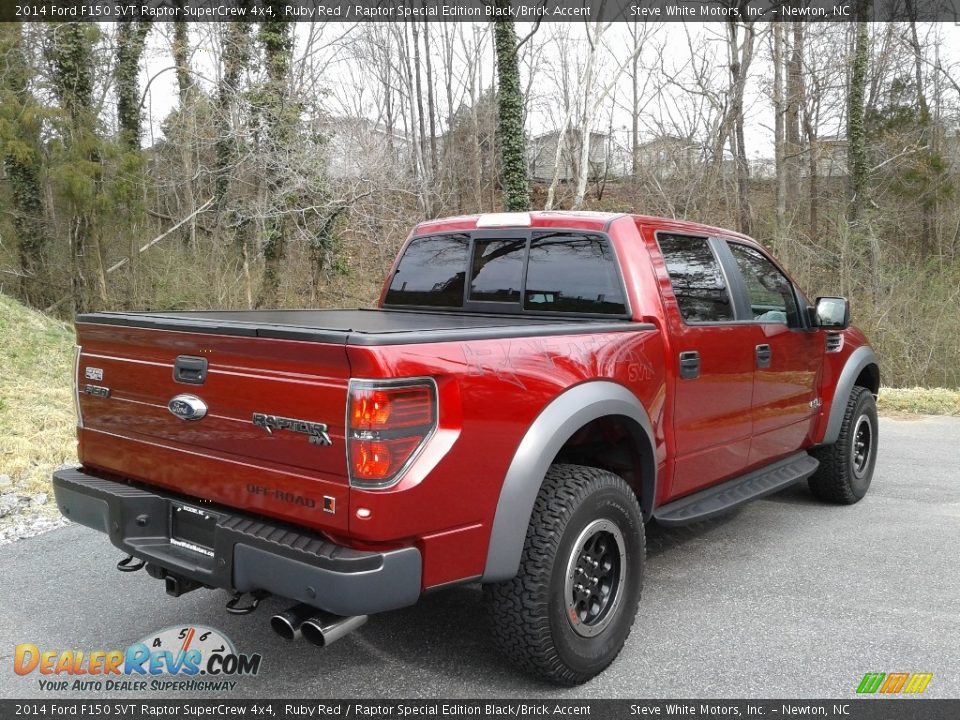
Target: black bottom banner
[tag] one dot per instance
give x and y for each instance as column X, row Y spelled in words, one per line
column 846, row 709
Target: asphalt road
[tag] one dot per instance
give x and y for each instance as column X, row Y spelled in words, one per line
column 784, row 598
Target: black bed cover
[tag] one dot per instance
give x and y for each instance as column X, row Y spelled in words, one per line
column 361, row 327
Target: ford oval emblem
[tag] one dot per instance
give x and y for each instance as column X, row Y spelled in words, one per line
column 187, row 407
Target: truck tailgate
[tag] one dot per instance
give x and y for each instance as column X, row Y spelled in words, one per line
column 242, row 452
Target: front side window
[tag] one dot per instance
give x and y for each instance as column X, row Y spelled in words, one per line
column 771, row 294
column 431, row 272
column 697, row 280
column 573, row 273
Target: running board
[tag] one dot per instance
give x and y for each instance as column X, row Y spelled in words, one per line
column 726, row 496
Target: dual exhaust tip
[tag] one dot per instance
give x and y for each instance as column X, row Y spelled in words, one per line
column 316, row 626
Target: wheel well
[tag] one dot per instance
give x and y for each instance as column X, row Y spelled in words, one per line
column 869, row 378
column 620, row 445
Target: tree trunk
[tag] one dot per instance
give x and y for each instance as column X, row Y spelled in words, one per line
column 856, row 130
column 778, row 130
column 431, row 105
column 792, row 148
column 236, row 55
column 813, row 181
column 131, row 38
column 635, row 106
column 558, row 158
column 418, row 94
column 278, row 119
column 513, row 152
column 740, row 58
column 181, row 60
column 923, row 120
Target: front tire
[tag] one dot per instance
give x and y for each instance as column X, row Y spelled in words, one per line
column 846, row 466
column 567, row 614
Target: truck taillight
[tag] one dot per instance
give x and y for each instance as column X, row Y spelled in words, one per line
column 388, row 422
column 76, row 384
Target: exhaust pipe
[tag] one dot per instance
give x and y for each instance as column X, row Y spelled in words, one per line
column 324, row 628
column 287, row 624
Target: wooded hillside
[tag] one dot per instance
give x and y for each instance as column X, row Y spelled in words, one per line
column 296, row 157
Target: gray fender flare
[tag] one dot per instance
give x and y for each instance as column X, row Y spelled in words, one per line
column 558, row 421
column 858, row 360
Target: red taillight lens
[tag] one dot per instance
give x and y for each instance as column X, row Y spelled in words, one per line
column 375, row 460
column 388, row 423
column 372, row 409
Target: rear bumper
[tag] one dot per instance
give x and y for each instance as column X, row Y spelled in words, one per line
column 246, row 553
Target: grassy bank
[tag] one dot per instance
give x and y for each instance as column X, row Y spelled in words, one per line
column 919, row 401
column 37, row 425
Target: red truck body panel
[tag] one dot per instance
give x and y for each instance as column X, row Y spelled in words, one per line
column 132, row 433
column 490, row 392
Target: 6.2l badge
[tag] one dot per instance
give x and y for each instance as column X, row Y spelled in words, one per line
column 187, row 407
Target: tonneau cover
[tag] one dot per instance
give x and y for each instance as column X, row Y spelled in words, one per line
column 358, row 327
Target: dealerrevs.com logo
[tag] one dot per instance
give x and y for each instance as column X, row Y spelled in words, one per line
column 187, row 658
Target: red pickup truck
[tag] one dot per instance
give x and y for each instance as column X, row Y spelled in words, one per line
column 532, row 390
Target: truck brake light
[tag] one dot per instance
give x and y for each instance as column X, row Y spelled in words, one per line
column 77, row 351
column 388, row 422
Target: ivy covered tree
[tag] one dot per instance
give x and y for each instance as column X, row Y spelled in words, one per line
column 276, row 131
column 77, row 168
column 513, row 151
column 131, row 40
column 856, row 129
column 20, row 124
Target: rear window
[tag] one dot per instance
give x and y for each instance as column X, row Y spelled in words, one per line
column 497, row 270
column 549, row 272
column 572, row 273
column 431, row 272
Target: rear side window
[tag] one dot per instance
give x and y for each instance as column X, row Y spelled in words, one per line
column 573, row 273
column 697, row 279
column 431, row 272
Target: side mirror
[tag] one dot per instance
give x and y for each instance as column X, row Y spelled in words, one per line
column 832, row 312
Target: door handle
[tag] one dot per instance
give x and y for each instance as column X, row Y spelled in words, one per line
column 764, row 355
column 689, row 365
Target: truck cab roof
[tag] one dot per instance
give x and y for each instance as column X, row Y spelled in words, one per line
column 569, row 219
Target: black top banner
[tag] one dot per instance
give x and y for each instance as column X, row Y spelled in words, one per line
column 391, row 709
column 760, row 11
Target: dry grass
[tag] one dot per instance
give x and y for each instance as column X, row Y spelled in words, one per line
column 37, row 425
column 919, row 401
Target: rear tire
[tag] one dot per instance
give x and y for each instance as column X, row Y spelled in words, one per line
column 567, row 614
column 846, row 466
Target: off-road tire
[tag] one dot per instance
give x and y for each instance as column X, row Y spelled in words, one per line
column 840, row 477
column 529, row 614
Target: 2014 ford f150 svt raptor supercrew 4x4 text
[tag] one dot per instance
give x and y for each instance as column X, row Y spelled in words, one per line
column 532, row 390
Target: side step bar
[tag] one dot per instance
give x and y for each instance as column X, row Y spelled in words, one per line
column 726, row 496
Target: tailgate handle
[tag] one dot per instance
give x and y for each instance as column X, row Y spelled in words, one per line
column 190, row 370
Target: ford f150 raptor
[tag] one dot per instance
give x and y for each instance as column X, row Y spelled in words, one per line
column 532, row 389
